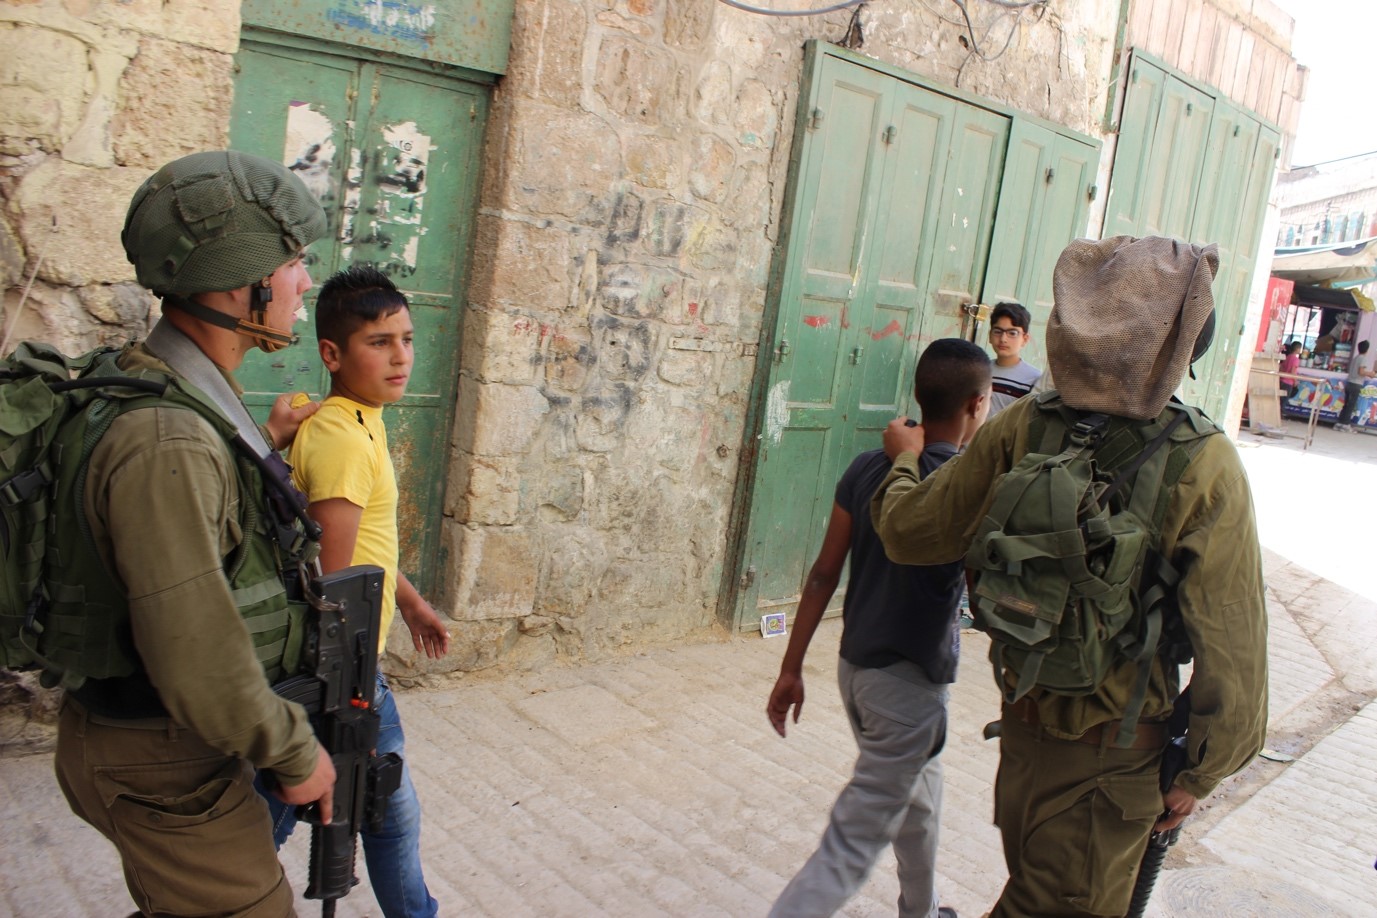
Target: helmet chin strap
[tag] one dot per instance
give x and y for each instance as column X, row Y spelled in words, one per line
column 267, row 338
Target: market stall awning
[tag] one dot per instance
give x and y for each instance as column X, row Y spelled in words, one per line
column 1343, row 264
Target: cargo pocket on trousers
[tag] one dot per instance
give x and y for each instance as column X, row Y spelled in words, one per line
column 1122, row 812
column 209, row 847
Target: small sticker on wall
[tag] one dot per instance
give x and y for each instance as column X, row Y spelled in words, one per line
column 773, row 624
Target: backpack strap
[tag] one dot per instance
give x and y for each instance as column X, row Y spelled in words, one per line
column 1147, row 472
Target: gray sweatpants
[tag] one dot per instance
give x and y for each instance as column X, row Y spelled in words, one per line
column 895, row 795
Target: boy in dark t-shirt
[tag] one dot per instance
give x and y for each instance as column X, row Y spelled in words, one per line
column 899, row 650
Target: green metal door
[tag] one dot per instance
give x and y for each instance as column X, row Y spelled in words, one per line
column 1044, row 203
column 894, row 198
column 1236, row 184
column 1158, row 164
column 1192, row 165
column 392, row 154
column 805, row 431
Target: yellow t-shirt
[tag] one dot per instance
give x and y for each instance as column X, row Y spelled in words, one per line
column 341, row 451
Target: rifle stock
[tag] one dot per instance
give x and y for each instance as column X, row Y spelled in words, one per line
column 336, row 687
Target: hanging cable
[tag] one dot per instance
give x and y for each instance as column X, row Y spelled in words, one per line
column 747, row 8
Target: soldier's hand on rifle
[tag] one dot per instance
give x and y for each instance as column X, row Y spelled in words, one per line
column 1177, row 802
column 319, row 788
column 904, row 435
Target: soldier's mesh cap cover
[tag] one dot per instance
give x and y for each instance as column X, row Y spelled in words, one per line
column 1125, row 318
column 219, row 220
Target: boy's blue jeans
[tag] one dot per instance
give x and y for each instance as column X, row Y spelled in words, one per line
column 394, row 854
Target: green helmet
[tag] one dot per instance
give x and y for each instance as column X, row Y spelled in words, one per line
column 218, row 221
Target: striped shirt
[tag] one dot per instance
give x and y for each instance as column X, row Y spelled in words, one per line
column 1011, row 383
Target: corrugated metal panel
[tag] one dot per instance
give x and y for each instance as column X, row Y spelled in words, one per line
column 466, row 33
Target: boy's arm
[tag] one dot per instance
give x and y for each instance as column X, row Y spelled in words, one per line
column 339, row 523
column 822, row 582
column 428, row 633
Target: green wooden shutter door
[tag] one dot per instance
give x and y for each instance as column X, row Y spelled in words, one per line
column 392, row 154
column 804, row 432
column 1044, row 202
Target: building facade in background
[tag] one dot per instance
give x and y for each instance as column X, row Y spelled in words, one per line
column 671, row 262
column 1328, row 203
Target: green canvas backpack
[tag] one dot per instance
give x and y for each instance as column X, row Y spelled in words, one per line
column 60, row 609
column 1069, row 582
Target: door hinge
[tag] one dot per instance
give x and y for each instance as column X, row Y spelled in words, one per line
column 783, row 350
column 1092, row 192
column 890, row 133
column 815, row 119
column 1051, row 173
column 748, row 577
column 473, row 111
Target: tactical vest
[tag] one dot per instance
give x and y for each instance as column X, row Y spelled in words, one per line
column 83, row 632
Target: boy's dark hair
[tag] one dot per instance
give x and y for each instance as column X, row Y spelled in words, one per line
column 1362, row 347
column 1014, row 312
column 353, row 297
column 949, row 372
column 1293, row 346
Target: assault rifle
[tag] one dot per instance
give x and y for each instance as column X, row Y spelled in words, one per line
column 335, row 685
column 1175, row 758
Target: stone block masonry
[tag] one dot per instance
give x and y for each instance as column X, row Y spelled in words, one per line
column 93, row 97
column 635, row 169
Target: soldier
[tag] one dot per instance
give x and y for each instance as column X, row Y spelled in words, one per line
column 1073, row 801
column 162, row 761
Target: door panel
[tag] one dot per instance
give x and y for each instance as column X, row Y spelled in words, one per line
column 294, row 106
column 885, row 346
column 1201, row 179
column 800, row 447
column 970, row 192
column 1129, row 191
column 1044, row 204
column 1173, row 174
column 392, row 155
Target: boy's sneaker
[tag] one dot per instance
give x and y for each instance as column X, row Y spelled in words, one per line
column 966, row 621
column 1342, row 427
column 944, row 912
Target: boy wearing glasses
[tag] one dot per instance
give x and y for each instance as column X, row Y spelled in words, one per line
column 1014, row 377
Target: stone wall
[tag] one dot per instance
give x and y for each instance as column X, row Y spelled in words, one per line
column 635, row 170
column 93, row 97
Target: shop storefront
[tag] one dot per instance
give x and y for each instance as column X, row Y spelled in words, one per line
column 1328, row 324
column 1329, row 317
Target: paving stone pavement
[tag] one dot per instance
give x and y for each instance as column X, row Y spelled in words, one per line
column 653, row 785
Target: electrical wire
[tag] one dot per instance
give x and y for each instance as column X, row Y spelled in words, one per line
column 747, row 8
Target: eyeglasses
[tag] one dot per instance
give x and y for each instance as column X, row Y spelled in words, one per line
column 1006, row 332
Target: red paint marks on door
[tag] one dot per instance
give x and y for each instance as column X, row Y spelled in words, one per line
column 893, row 328
column 816, row 321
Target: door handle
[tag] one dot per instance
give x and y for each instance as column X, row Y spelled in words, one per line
column 783, row 350
column 856, row 353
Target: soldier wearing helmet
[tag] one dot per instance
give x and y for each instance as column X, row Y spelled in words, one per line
column 1078, row 794
column 162, row 761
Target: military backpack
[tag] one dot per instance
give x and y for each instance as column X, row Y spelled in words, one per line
column 61, row 610
column 1069, row 582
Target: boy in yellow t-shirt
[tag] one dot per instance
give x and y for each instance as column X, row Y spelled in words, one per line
column 340, row 461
